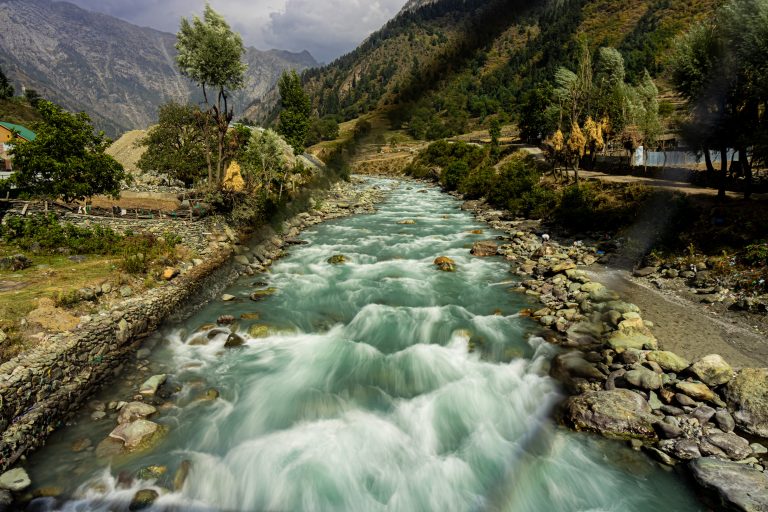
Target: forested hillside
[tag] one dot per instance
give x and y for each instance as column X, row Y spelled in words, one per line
column 447, row 65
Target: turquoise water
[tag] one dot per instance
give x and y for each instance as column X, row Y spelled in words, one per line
column 385, row 385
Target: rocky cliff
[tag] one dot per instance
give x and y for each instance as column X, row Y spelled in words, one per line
column 117, row 72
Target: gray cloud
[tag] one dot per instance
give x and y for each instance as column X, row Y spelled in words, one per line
column 327, row 28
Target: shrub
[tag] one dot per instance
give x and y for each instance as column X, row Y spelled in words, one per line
column 454, row 174
column 478, row 182
column 513, row 187
column 44, row 234
column 757, row 253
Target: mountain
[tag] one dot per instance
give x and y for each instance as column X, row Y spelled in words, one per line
column 441, row 65
column 117, row 72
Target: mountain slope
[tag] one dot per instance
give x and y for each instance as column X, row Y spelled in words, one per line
column 117, row 72
column 442, row 63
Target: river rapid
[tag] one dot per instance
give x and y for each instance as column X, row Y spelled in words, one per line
column 384, row 385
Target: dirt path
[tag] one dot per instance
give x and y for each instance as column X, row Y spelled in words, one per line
column 689, row 329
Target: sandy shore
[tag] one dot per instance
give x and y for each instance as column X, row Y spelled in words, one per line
column 686, row 328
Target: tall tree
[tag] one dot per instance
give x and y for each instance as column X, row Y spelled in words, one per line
column 176, row 145
column 719, row 67
column 66, row 159
column 210, row 54
column 263, row 161
column 295, row 113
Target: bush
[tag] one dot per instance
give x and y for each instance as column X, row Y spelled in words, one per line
column 454, row 174
column 513, row 187
column 43, row 234
column 478, row 182
column 756, row 254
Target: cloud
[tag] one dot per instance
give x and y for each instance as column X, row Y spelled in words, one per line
column 327, row 28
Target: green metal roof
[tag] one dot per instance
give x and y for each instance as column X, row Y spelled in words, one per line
column 25, row 133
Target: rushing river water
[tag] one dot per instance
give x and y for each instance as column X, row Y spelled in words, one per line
column 386, row 385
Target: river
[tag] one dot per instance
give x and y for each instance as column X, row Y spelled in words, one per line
column 384, row 384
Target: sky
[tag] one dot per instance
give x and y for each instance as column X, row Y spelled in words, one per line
column 326, row 28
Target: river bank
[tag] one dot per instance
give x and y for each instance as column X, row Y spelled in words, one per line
column 694, row 410
column 42, row 388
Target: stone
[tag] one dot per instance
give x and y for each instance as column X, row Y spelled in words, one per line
column 562, row 267
column 258, row 331
column 623, row 340
column 484, row 248
column 758, row 449
column 225, row 320
column 169, row 273
column 736, row 486
column 685, row 400
column 149, row 387
column 644, row 272
column 667, row 430
column 616, row 413
column 81, row 445
column 668, row 361
column 712, row 370
column 137, row 434
column 15, row 480
column 259, row 295
column 98, row 415
column 151, row 472
column 135, row 410
column 653, row 401
column 747, row 396
column 109, row 447
column 445, row 264
column 181, row 475
column 696, row 390
column 724, row 421
column 407, row 222
column 598, row 292
column 703, row 413
column 733, row 446
column 143, row 353
column 643, row 378
column 242, row 259
column 234, row 340
column 126, row 291
column 337, row 259
column 570, row 365
column 686, row 449
column 249, row 316
column 143, row 499
column 228, row 298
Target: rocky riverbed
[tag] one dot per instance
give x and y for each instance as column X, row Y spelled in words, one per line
column 702, row 413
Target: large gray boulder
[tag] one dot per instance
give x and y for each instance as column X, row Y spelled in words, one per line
column 616, row 413
column 712, row 370
column 736, row 486
column 747, row 396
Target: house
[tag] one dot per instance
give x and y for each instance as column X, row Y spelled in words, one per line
column 7, row 131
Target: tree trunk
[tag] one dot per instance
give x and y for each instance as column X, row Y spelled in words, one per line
column 723, row 173
column 710, row 167
column 746, row 167
column 576, row 172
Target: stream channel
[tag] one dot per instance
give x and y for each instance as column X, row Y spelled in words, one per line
column 384, row 384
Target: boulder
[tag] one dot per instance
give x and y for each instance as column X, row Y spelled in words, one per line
column 15, row 480
column 407, row 222
column 234, row 340
column 622, row 340
column 181, row 475
column 135, row 411
column 137, row 434
column 149, row 387
column 483, row 248
column 445, row 264
column 143, row 499
column 337, row 259
column 262, row 294
column 668, row 361
column 598, row 292
column 733, row 446
column 570, row 365
column 169, row 273
column 712, row 370
column 616, row 413
column 228, row 298
column 747, row 396
column 242, row 259
column 735, row 486
column 696, row 390
column 258, row 331
column 643, row 378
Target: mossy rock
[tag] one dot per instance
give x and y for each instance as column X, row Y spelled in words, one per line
column 258, row 331
column 151, row 472
column 445, row 264
column 262, row 294
column 337, row 259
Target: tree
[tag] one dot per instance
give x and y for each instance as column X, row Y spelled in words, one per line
column 66, row 159
column 176, row 145
column 719, row 67
column 210, row 54
column 495, row 132
column 263, row 161
column 6, row 88
column 32, row 96
column 296, row 108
